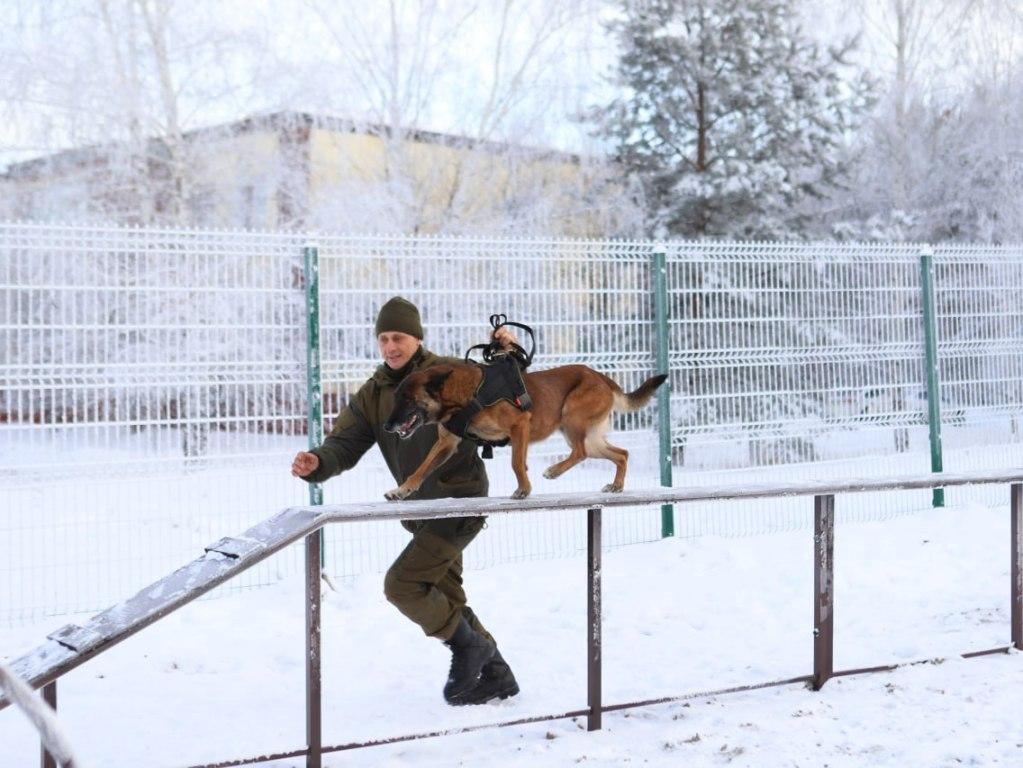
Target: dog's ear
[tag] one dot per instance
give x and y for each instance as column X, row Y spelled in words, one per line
column 434, row 384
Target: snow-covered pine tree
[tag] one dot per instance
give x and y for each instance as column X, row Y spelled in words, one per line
column 729, row 114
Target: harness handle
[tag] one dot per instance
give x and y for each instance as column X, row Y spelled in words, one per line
column 494, row 348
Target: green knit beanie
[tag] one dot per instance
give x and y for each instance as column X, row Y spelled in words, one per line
column 398, row 314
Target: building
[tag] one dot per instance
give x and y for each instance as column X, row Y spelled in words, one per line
column 296, row 170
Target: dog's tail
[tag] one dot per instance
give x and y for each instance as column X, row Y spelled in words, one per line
column 627, row 402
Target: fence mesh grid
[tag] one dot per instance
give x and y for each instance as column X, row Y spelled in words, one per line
column 979, row 300
column 150, row 381
column 152, row 384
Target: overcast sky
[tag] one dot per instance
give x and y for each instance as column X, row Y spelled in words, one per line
column 237, row 58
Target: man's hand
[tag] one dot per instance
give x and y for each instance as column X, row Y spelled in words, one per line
column 505, row 338
column 305, row 464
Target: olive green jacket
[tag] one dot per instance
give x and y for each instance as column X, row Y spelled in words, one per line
column 361, row 424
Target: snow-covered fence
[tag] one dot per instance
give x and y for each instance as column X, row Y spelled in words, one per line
column 147, row 376
column 229, row 557
column 812, row 356
column 152, row 381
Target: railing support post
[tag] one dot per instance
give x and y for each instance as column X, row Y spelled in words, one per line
column 660, row 268
column 46, row 760
column 823, row 589
column 593, row 620
column 931, row 367
column 1016, row 570
column 313, row 702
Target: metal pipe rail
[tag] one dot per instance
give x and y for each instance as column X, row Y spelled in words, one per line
column 73, row 645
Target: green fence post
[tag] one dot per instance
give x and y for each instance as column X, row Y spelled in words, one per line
column 931, row 366
column 314, row 390
column 664, row 392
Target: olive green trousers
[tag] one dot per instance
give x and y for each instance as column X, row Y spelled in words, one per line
column 425, row 581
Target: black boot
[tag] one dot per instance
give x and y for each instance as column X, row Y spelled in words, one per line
column 496, row 682
column 470, row 651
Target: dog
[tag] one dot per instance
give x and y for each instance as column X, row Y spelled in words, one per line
column 573, row 398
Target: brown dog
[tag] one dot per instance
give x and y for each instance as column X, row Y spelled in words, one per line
column 573, row 398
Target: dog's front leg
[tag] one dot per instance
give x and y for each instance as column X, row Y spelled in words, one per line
column 519, row 434
column 442, row 450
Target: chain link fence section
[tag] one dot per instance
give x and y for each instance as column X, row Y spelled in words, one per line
column 810, row 356
column 152, row 383
column 979, row 301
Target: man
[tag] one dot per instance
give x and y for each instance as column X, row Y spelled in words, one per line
column 425, row 582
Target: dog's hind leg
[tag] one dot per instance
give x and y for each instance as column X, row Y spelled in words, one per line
column 598, row 447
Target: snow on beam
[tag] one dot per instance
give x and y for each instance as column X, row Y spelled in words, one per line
column 418, row 510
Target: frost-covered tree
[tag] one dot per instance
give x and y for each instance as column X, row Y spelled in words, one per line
column 496, row 73
column 919, row 51
column 940, row 157
column 731, row 116
column 123, row 82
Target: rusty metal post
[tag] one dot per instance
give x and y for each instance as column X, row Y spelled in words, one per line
column 50, row 697
column 313, row 700
column 823, row 589
column 1016, row 570
column 593, row 623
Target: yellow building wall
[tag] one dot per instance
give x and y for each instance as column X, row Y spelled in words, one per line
column 478, row 184
column 236, row 180
column 336, row 157
column 224, row 166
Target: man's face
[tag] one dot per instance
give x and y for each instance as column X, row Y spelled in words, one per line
column 397, row 348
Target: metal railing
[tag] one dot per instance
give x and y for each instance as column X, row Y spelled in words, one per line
column 42, row 714
column 73, row 645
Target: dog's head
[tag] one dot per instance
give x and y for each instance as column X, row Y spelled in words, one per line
column 417, row 401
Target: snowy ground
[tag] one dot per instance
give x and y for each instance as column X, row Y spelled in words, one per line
column 224, row 678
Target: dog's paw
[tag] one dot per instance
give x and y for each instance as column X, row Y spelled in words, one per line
column 611, row 488
column 396, row 494
column 521, row 493
column 549, row 473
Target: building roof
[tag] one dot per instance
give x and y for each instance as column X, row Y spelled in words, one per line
column 90, row 156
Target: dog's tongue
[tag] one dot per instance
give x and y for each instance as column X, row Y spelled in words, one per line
column 408, row 424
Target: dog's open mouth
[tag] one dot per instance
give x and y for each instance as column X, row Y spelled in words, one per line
column 409, row 426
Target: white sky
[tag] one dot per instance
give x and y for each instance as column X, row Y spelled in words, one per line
column 300, row 67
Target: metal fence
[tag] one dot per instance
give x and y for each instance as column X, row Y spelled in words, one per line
column 812, row 356
column 152, row 382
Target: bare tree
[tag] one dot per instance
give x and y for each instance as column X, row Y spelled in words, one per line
column 486, row 71
column 940, row 157
column 916, row 42
column 127, row 79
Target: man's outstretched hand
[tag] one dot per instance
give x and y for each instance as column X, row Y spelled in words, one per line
column 305, row 464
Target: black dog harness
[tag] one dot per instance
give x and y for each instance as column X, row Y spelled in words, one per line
column 502, row 380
